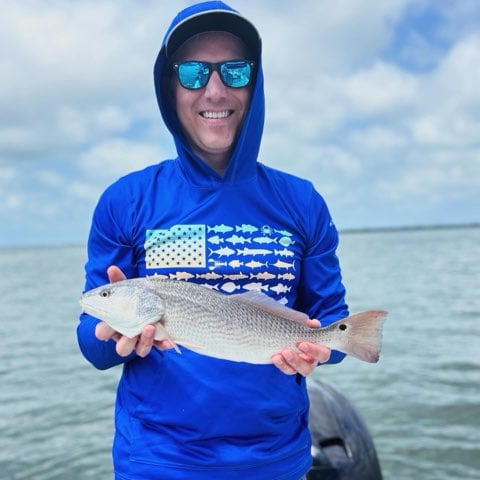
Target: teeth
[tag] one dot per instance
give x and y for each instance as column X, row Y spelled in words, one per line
column 224, row 114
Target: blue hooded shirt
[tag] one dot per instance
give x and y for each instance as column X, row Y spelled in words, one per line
column 255, row 228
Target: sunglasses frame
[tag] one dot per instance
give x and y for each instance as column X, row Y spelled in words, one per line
column 213, row 67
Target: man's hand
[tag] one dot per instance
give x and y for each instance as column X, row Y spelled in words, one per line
column 143, row 343
column 291, row 362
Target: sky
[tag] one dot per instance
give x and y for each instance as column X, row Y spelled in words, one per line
column 376, row 102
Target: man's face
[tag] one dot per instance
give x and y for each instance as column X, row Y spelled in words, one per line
column 211, row 116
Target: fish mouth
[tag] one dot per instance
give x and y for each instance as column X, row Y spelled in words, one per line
column 91, row 310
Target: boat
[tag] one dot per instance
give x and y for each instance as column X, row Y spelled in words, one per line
column 342, row 446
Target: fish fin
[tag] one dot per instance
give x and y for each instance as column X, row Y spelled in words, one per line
column 162, row 334
column 268, row 304
column 189, row 345
column 363, row 331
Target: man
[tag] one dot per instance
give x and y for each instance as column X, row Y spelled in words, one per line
column 216, row 216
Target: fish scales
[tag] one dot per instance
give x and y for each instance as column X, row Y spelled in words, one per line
column 248, row 327
column 215, row 315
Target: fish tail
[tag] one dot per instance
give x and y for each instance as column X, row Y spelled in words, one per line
column 363, row 338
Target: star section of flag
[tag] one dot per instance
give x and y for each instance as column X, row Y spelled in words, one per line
column 181, row 246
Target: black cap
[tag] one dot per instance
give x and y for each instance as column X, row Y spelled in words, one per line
column 212, row 21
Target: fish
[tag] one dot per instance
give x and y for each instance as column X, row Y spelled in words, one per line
column 223, row 252
column 263, row 276
column 219, row 228
column 255, row 286
column 255, row 264
column 247, row 327
column 253, row 251
column 246, row 228
column 235, row 263
column 284, row 253
column 281, row 288
column 285, row 265
column 236, row 276
column 286, row 241
column 284, row 232
column 234, row 239
column 208, row 276
column 286, row 276
column 230, row 287
column 265, row 240
column 216, row 240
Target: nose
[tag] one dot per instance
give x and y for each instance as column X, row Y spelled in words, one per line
column 215, row 87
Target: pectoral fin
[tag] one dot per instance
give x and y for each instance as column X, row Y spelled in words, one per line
column 162, row 334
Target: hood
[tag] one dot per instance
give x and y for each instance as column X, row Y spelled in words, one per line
column 242, row 164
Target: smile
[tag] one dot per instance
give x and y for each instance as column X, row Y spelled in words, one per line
column 216, row 115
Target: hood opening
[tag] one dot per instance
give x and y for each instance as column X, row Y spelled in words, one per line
column 212, row 16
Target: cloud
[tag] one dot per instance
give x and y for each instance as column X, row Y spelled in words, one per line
column 409, row 135
column 81, row 127
column 449, row 113
column 73, row 72
column 108, row 160
column 376, row 102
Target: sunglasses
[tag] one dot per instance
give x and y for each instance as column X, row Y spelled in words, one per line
column 194, row 75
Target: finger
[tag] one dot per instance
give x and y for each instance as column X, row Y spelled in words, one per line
column 305, row 368
column 164, row 344
column 115, row 274
column 313, row 323
column 319, row 353
column 302, row 364
column 104, row 331
column 125, row 345
column 282, row 365
column 145, row 342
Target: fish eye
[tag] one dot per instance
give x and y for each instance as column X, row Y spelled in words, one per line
column 342, row 326
column 105, row 293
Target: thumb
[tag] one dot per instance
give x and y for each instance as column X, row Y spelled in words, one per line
column 115, row 274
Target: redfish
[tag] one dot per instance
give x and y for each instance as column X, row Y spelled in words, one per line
column 248, row 327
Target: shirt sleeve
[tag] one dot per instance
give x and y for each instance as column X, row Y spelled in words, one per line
column 108, row 244
column 321, row 292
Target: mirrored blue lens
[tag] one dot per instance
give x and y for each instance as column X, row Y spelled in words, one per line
column 235, row 74
column 194, row 75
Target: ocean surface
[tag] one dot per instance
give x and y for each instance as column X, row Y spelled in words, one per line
column 421, row 402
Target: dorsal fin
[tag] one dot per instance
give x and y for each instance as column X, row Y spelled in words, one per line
column 268, row 304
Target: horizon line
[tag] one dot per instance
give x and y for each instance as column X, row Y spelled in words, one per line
column 341, row 231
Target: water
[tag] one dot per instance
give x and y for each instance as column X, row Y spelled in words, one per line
column 421, row 402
